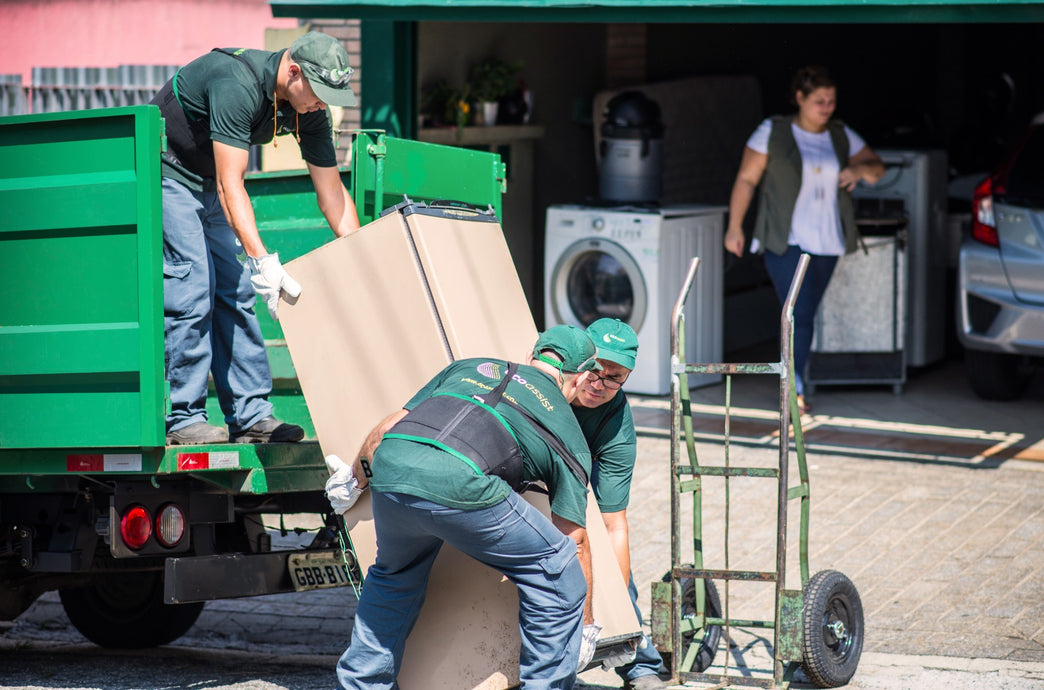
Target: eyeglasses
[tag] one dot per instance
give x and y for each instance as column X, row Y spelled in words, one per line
column 611, row 384
column 334, row 78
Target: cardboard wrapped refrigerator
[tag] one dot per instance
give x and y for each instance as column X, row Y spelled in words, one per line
column 381, row 312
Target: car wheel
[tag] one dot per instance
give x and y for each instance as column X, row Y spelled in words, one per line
column 126, row 611
column 832, row 629
column 996, row 375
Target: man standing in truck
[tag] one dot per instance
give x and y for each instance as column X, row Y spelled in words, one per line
column 605, row 418
column 214, row 109
column 447, row 469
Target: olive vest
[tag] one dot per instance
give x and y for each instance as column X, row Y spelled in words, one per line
column 782, row 182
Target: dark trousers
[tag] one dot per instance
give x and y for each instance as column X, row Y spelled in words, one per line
column 781, row 270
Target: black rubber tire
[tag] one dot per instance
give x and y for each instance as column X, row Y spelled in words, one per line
column 712, row 638
column 126, row 611
column 832, row 620
column 997, row 375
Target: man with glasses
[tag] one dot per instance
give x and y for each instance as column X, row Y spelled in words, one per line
column 448, row 468
column 214, row 109
column 605, row 418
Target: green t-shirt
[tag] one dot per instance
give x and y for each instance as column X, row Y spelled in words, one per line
column 221, row 90
column 418, row 469
column 609, row 431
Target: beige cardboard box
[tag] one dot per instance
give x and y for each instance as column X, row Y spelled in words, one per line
column 380, row 313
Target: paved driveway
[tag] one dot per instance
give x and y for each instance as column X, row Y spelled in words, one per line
column 931, row 502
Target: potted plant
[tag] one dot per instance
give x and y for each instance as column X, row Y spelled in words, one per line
column 438, row 104
column 491, row 80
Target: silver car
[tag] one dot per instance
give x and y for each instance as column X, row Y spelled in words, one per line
column 1000, row 275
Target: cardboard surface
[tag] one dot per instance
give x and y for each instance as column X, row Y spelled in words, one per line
column 364, row 336
column 480, row 300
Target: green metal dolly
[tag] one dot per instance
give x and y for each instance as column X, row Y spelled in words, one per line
column 819, row 627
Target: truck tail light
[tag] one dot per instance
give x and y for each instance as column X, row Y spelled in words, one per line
column 170, row 525
column 984, row 223
column 136, row 527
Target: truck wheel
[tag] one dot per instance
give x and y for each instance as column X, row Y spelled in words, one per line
column 711, row 636
column 832, row 621
column 126, row 611
column 996, row 375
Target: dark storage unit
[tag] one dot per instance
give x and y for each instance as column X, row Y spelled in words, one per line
column 631, row 150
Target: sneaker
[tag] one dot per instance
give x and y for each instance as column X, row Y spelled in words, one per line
column 197, row 433
column 650, row 682
column 270, row 430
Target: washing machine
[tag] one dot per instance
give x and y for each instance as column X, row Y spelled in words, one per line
column 629, row 263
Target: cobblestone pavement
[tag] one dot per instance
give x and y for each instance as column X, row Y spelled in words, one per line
column 931, row 502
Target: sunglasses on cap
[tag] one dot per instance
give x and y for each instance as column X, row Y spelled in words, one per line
column 334, row 78
column 589, row 364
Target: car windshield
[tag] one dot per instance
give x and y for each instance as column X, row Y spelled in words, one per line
column 1025, row 185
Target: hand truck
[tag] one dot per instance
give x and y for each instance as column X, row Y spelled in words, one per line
column 819, row 627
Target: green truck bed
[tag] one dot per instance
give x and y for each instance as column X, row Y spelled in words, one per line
column 82, row 392
column 81, row 344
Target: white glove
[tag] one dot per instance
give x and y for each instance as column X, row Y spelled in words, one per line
column 588, row 642
column 342, row 488
column 268, row 277
column 620, row 658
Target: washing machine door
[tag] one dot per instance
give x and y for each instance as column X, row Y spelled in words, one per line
column 596, row 278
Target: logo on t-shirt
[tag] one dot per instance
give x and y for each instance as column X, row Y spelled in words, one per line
column 490, row 370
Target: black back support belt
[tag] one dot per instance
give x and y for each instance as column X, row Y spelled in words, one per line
column 470, row 430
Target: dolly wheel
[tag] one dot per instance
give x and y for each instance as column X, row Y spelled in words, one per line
column 832, row 618
column 711, row 636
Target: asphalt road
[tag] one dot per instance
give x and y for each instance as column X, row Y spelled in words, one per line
column 56, row 665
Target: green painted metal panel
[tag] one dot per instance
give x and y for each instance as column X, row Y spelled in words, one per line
column 388, row 168
column 388, row 49
column 790, row 619
column 69, row 349
column 81, row 341
column 655, row 11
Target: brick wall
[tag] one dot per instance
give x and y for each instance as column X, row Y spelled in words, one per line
column 625, row 55
column 347, row 31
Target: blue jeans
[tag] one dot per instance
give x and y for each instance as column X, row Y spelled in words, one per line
column 209, row 323
column 647, row 662
column 512, row 537
column 817, row 277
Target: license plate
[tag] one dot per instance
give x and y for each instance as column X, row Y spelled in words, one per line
column 319, row 570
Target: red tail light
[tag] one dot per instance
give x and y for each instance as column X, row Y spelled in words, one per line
column 136, row 527
column 984, row 223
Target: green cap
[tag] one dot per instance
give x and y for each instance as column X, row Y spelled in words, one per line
column 572, row 345
column 324, row 62
column 616, row 341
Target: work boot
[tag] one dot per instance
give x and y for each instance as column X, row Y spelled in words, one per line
column 197, row 433
column 270, row 430
column 649, row 682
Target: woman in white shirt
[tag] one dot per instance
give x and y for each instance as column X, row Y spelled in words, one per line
column 806, row 165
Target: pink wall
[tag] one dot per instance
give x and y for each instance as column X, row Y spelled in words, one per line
column 108, row 33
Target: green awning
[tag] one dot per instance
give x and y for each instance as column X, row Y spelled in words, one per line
column 685, row 11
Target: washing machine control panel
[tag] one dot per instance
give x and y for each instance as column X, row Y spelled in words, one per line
column 617, row 226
